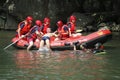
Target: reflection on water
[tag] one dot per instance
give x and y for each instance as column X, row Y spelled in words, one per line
column 34, row 59
column 59, row 65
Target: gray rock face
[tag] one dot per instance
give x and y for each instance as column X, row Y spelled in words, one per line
column 55, row 9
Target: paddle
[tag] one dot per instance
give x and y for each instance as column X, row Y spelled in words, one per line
column 13, row 43
column 79, row 30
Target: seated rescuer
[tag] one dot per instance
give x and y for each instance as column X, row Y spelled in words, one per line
column 72, row 24
column 59, row 29
column 33, row 33
column 45, row 25
column 24, row 27
column 46, row 39
column 62, row 31
column 64, row 34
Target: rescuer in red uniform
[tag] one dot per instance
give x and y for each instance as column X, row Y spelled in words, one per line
column 45, row 25
column 24, row 27
column 72, row 25
column 33, row 33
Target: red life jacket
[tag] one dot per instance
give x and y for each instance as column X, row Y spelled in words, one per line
column 44, row 30
column 59, row 30
column 72, row 27
column 32, row 32
column 64, row 34
column 25, row 29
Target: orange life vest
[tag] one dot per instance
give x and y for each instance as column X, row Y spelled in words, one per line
column 64, row 34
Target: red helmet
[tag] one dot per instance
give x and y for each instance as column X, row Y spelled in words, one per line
column 46, row 20
column 38, row 22
column 59, row 23
column 29, row 18
column 72, row 18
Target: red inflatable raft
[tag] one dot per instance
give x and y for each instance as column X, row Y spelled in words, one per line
column 100, row 36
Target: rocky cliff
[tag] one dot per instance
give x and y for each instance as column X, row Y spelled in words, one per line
column 89, row 12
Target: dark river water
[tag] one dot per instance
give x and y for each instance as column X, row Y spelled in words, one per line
column 59, row 65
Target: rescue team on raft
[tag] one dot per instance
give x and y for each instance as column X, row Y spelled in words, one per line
column 41, row 31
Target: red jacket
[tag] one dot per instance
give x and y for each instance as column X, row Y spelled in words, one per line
column 25, row 29
column 44, row 28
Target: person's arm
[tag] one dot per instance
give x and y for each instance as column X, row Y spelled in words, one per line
column 39, row 33
column 69, row 26
column 69, row 32
column 53, row 34
column 19, row 29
